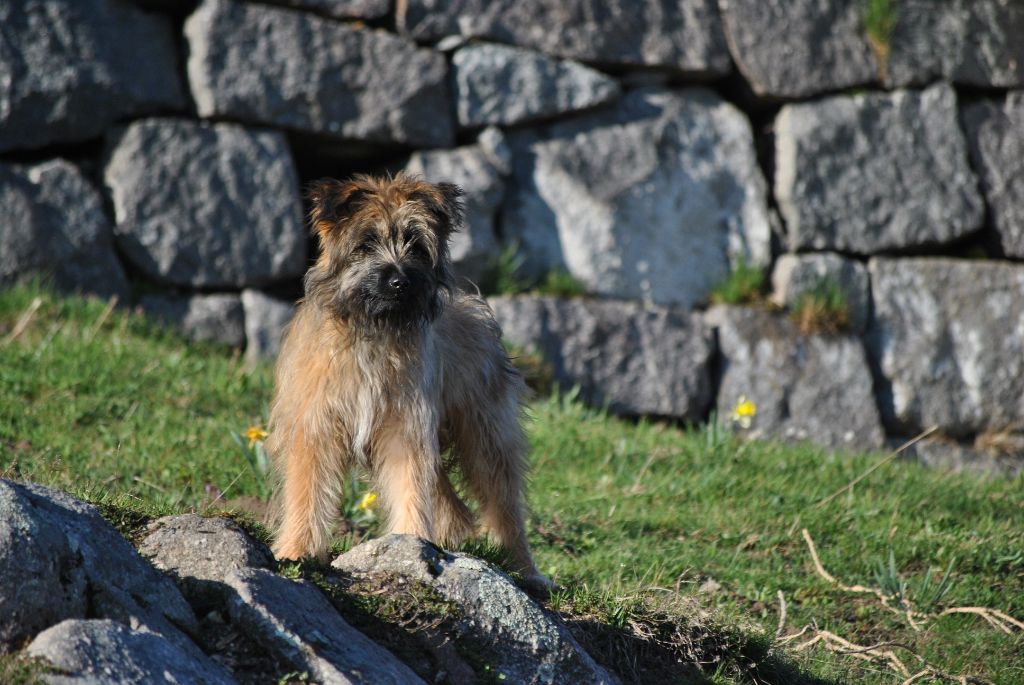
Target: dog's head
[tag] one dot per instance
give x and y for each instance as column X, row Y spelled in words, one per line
column 384, row 262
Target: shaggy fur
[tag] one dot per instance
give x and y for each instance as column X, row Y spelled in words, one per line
column 387, row 366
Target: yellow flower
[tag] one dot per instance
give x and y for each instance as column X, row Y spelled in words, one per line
column 255, row 434
column 744, row 412
column 367, row 501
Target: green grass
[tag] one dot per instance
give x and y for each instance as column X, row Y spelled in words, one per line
column 506, row 278
column 745, row 284
column 823, row 309
column 631, row 518
column 880, row 18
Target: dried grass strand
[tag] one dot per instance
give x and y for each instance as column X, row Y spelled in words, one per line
column 892, row 455
column 917, row 619
column 24, row 320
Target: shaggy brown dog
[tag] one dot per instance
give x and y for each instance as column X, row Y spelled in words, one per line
column 387, row 366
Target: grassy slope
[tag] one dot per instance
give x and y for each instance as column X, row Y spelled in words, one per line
column 112, row 408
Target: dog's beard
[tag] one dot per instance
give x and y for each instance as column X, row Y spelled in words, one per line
column 404, row 313
column 373, row 312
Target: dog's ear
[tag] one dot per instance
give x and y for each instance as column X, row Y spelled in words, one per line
column 444, row 200
column 332, row 204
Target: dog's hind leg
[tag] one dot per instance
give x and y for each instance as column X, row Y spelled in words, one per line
column 453, row 521
column 492, row 450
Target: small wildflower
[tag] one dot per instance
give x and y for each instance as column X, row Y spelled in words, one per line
column 367, row 501
column 255, row 434
column 744, row 412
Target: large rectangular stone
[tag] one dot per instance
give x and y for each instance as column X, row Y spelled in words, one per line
column 286, row 68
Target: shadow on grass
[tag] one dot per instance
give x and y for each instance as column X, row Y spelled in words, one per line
column 650, row 646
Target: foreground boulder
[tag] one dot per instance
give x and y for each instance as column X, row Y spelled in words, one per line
column 295, row 621
column 295, row 70
column 100, row 652
column 877, row 172
column 996, row 136
column 59, row 559
column 685, row 35
column 636, row 360
column 501, row 625
column 947, row 340
column 70, row 68
column 815, row 388
column 206, row 205
column 198, row 553
column 651, row 199
column 54, row 224
column 220, row 568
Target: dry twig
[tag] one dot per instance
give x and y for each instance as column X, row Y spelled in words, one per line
column 998, row 619
column 101, row 319
column 892, row 455
column 881, row 653
column 24, row 320
column 782, row 615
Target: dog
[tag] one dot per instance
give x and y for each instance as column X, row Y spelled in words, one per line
column 388, row 366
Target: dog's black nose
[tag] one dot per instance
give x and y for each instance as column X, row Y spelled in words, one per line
column 398, row 283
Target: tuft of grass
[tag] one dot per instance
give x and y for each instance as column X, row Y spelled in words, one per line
column 880, row 18
column 744, row 285
column 506, row 274
column 636, row 513
column 17, row 669
column 506, row 278
column 822, row 310
column 561, row 283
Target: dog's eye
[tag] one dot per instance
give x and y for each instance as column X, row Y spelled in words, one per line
column 419, row 250
column 366, row 246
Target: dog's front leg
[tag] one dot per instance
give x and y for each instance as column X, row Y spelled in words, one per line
column 313, row 474
column 407, row 465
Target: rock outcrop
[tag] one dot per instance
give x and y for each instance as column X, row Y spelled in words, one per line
column 996, row 136
column 217, row 317
column 801, row 48
column 266, row 318
column 497, row 84
column 59, row 559
column 633, row 359
column 649, row 200
column 946, row 338
column 77, row 596
column 71, row 68
column 798, row 276
column 206, row 205
column 280, row 67
column 803, row 387
column 684, row 36
column 54, row 225
column 515, row 636
column 872, row 173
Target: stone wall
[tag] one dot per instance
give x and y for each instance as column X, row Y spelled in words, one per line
column 156, row 151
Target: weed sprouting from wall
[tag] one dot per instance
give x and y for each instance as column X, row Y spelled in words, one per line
column 879, row 21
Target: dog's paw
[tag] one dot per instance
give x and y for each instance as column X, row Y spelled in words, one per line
column 539, row 583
